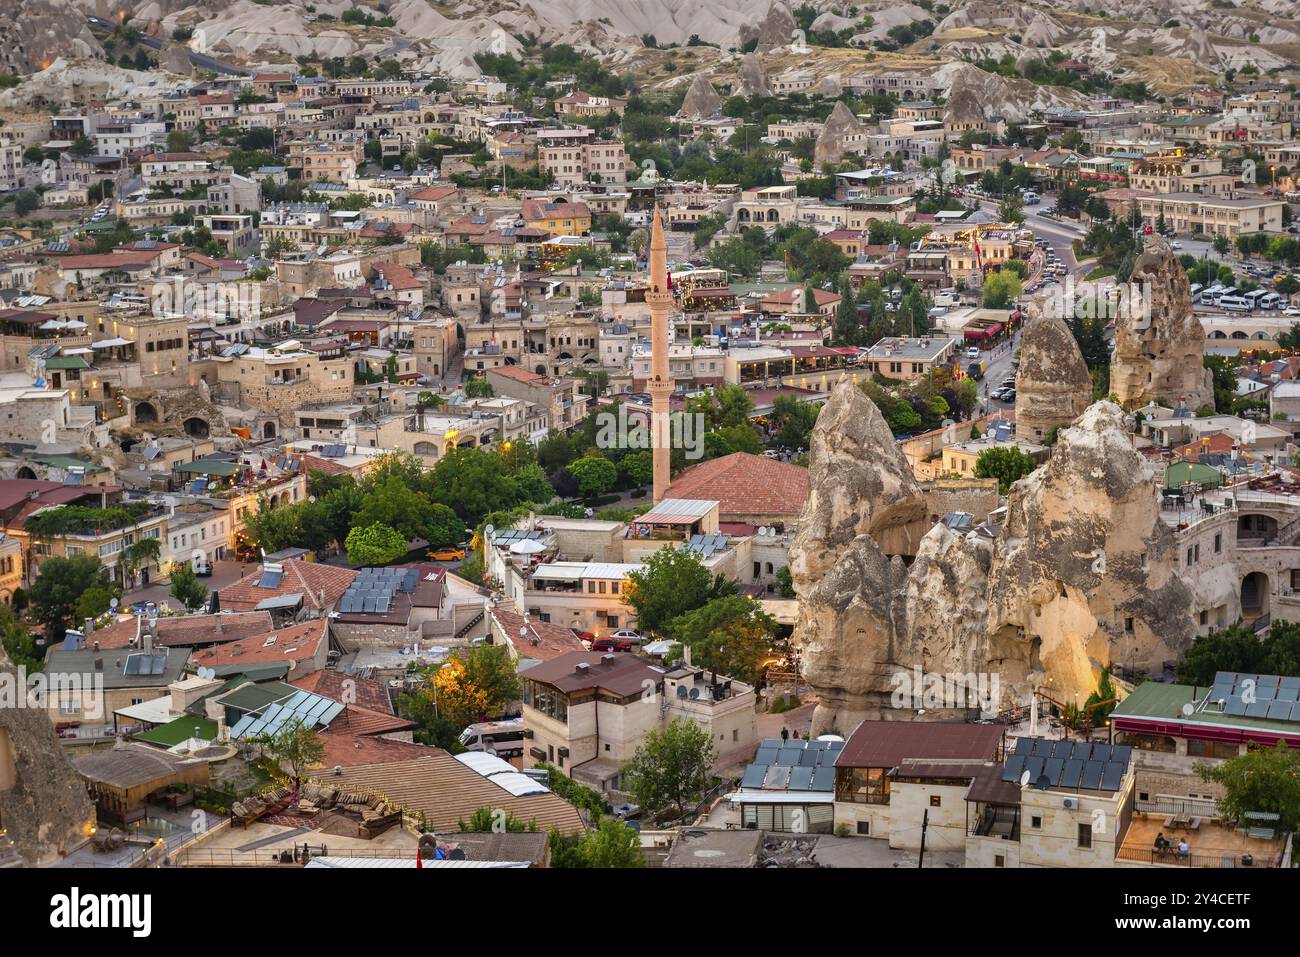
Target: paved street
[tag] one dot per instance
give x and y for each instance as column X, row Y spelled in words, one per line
column 223, row 574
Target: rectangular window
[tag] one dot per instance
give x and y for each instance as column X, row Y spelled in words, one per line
column 1085, row 835
column 936, row 800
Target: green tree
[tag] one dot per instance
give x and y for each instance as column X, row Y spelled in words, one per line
column 672, row 583
column 186, row 587
column 17, row 641
column 1241, row 649
column 611, row 844
column 1008, row 464
column 1001, row 290
column 60, row 584
column 671, row 767
column 1265, row 780
column 595, row 474
column 294, row 746
column 731, row 635
column 637, row 468
column 495, row 820
column 375, row 544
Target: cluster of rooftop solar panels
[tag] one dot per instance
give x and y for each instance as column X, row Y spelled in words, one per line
column 1272, row 697
column 511, row 535
column 798, row 765
column 373, row 591
column 304, row 708
column 1068, row 764
column 145, row 664
column 706, row 545
column 333, row 451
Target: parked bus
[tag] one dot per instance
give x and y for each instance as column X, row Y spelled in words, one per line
column 1271, row 300
column 1196, row 291
column 1254, row 296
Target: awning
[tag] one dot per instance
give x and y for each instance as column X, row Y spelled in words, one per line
column 110, row 343
column 156, row 711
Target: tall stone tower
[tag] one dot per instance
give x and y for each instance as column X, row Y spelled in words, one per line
column 660, row 387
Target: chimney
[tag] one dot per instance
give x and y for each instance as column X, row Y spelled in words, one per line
column 607, row 658
column 582, row 668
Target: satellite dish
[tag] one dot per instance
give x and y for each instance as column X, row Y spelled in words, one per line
column 695, row 693
column 1043, row 782
column 681, row 691
column 1188, row 710
column 206, row 673
column 1024, row 779
column 113, row 603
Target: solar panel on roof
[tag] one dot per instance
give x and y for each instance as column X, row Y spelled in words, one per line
column 766, row 755
column 1024, row 746
column 777, row 778
column 1121, row 752
column 331, row 713
column 1072, row 773
column 817, row 745
column 1112, row 775
column 1063, row 749
column 810, row 758
column 1266, row 692
column 1288, row 695
column 1258, row 709
column 754, row 775
column 1034, row 765
column 1279, row 711
column 1052, row 767
column 823, row 779
column 1092, row 771
column 801, row 778
column 1042, row 748
column 1268, row 681
column 1295, row 712
column 1014, row 765
column 270, row 580
column 789, row 756
column 1100, row 752
column 1292, row 683
column 1225, row 677
column 1236, row 707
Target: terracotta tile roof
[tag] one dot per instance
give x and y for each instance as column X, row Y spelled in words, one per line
column 744, row 484
column 187, row 629
column 887, row 744
column 363, row 721
column 307, row 578
column 348, row 750
column 1219, row 442
column 551, row 640
column 446, row 792
column 295, row 643
column 622, row 674
column 398, row 276
column 366, row 692
column 788, row 298
column 431, row 194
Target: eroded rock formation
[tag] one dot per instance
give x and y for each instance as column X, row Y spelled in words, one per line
column 44, row 809
column 702, row 100
column 1053, row 386
column 752, row 78
column 830, row 142
column 1159, row 342
column 1081, row 576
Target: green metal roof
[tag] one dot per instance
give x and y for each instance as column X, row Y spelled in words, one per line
column 182, row 729
column 66, row 362
column 216, row 467
column 1157, row 701
column 1182, row 472
column 66, row 462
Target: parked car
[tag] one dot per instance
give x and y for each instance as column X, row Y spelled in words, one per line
column 449, row 553
column 627, row 634
column 626, row 810
column 972, row 353
column 609, row 644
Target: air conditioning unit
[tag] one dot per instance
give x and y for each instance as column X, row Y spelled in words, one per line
column 1070, row 803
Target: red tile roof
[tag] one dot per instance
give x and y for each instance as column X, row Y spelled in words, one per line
column 358, row 720
column 186, row 630
column 745, row 484
column 542, row 640
column 295, row 643
column 366, row 692
column 348, row 750
column 887, row 744
column 307, row 578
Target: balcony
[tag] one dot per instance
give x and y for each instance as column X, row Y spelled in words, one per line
column 1210, row 844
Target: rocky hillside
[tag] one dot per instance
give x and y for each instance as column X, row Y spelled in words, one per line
column 1171, row 41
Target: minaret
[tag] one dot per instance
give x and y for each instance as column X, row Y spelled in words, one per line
column 660, row 386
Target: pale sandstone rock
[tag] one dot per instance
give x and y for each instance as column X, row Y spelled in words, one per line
column 702, row 100
column 830, row 142
column 1158, row 355
column 1053, row 386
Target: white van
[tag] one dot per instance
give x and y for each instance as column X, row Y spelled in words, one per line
column 1234, row 303
column 1196, row 291
column 1230, row 291
column 1271, row 300
column 502, row 738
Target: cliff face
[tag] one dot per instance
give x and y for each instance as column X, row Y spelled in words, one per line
column 1053, row 386
column 1086, row 569
column 1158, row 348
column 1083, row 574
column 830, row 142
column 43, row 803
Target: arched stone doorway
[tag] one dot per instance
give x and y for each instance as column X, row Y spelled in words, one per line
column 268, row 430
column 145, row 413
column 1254, row 595
column 197, row 428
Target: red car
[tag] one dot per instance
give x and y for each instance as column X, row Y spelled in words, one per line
column 609, row 644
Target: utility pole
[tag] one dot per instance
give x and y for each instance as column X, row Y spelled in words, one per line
column 925, row 823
